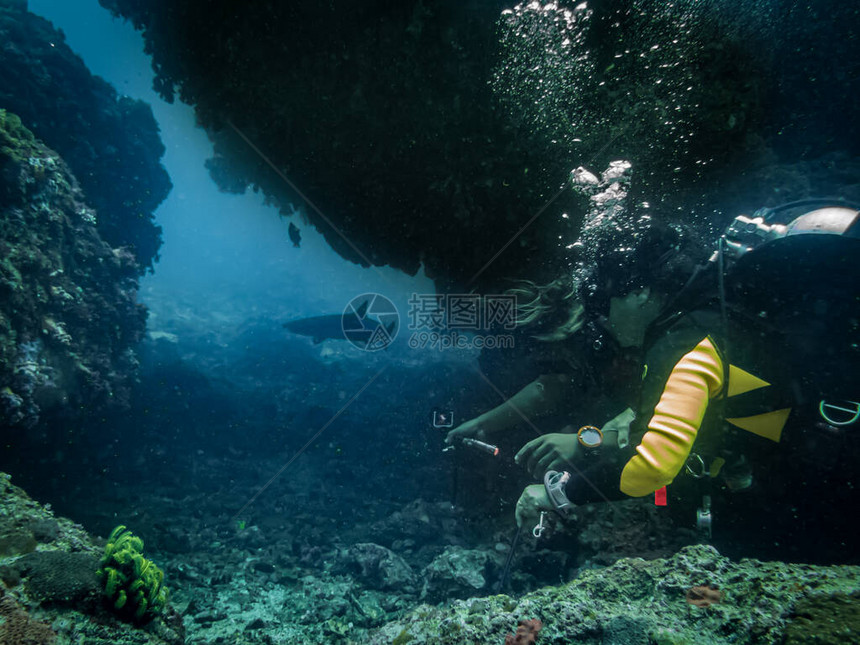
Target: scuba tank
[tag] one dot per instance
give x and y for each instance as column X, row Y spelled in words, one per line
column 782, row 302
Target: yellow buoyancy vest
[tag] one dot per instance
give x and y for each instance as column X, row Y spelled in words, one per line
column 695, row 380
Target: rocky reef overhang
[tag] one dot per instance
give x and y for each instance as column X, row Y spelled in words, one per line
column 110, row 142
column 432, row 133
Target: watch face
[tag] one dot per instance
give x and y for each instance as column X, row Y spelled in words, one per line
column 590, row 436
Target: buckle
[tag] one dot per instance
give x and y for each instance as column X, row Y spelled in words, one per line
column 842, row 413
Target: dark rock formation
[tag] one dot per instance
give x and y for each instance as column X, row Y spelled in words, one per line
column 68, row 313
column 433, row 132
column 459, row 572
column 110, row 142
column 381, row 113
column 376, row 566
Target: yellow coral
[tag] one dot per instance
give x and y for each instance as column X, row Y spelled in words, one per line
column 133, row 585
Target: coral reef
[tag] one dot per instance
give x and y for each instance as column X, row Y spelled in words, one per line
column 825, row 620
column 17, row 627
column 639, row 601
column 68, row 313
column 287, row 572
column 59, row 577
column 51, row 594
column 110, row 142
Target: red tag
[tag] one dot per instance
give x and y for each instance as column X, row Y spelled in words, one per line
column 660, row 497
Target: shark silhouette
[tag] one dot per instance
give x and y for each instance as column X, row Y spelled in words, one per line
column 353, row 325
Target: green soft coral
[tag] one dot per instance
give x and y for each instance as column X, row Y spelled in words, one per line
column 16, row 142
column 133, row 586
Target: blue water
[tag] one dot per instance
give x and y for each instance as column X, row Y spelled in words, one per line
column 218, row 248
column 253, row 452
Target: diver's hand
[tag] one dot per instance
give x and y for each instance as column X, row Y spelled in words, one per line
column 530, row 504
column 472, row 429
column 619, row 429
column 548, row 452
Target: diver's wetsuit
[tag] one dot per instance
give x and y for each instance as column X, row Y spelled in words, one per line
column 597, row 479
column 729, row 412
column 597, row 367
column 600, row 377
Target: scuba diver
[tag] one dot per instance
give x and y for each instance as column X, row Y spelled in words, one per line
column 770, row 360
column 590, row 335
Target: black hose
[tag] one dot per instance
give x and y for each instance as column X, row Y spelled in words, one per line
column 510, row 559
column 724, row 319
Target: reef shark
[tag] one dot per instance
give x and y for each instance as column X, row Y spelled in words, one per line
column 354, row 326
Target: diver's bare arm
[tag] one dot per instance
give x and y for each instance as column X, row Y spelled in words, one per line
column 541, row 397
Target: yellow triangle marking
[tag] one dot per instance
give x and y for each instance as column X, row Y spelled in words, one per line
column 741, row 381
column 768, row 425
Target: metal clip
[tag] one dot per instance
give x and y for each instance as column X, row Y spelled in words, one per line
column 704, row 517
column 697, row 463
column 844, row 414
column 540, row 528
